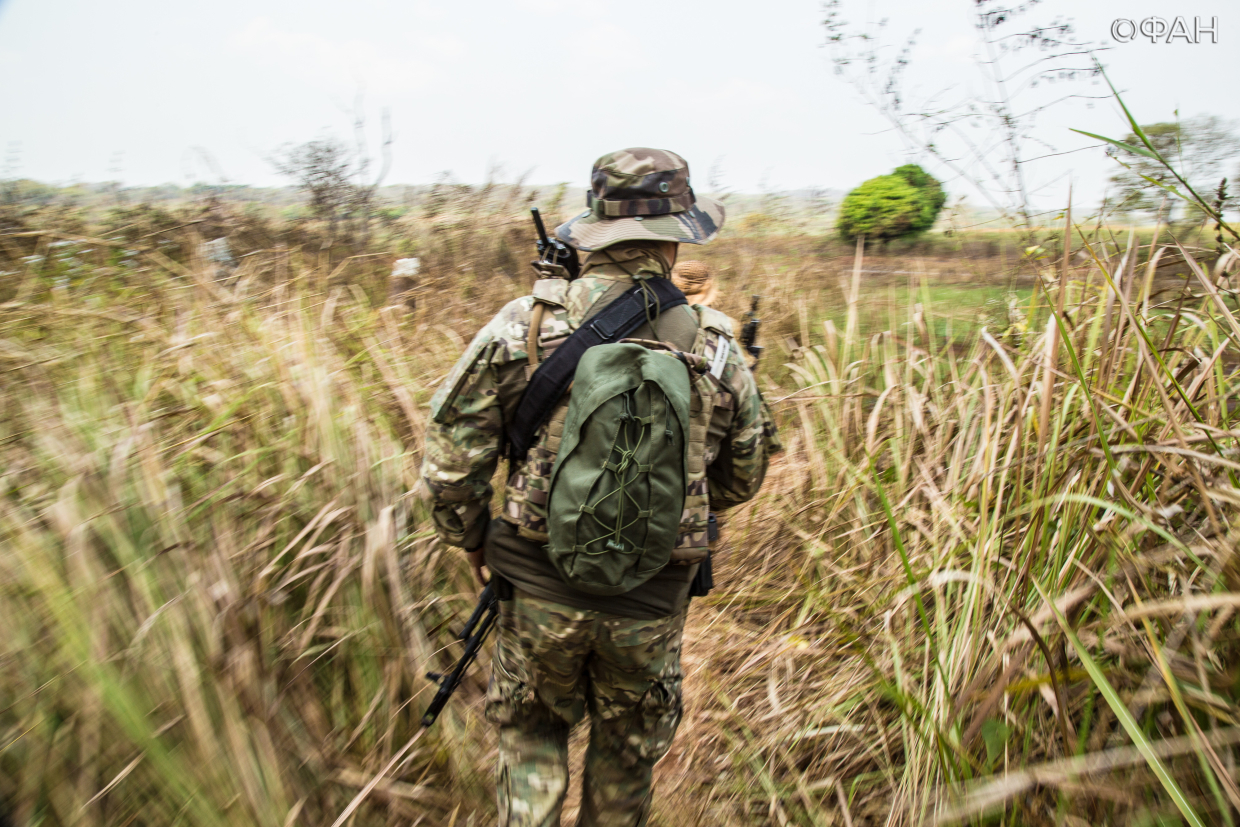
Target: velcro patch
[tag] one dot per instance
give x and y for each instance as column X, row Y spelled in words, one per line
column 722, row 347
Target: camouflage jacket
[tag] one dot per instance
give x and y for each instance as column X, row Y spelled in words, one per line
column 465, row 437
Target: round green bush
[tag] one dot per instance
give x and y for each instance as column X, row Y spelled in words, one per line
column 898, row 205
column 932, row 195
column 882, row 208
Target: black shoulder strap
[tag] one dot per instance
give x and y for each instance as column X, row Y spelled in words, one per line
column 552, row 378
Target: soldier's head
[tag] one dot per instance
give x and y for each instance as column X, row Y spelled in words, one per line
column 696, row 281
column 642, row 194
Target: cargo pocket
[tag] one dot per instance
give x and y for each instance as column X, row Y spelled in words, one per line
column 645, row 734
column 510, row 700
column 660, row 716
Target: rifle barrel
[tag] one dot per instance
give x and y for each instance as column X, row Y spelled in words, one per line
column 749, row 332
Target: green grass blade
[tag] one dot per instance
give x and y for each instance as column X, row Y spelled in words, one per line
column 1136, row 150
column 1123, row 715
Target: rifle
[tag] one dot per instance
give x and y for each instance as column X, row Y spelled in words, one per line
column 749, row 331
column 553, row 252
column 475, row 632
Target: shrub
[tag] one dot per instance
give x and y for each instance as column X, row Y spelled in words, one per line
column 932, row 195
column 898, row 205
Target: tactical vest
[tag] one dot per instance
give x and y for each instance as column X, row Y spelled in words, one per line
column 710, row 419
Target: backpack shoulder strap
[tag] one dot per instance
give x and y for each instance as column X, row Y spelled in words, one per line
column 553, row 376
column 547, row 293
column 531, row 341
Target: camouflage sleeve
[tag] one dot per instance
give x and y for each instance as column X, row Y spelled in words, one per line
column 738, row 471
column 462, row 449
column 463, row 442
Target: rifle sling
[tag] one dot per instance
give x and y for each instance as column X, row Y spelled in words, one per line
column 552, row 378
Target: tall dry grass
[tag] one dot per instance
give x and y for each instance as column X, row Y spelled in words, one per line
column 990, row 575
column 994, row 580
column 219, row 592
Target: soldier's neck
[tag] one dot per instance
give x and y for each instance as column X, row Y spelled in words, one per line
column 626, row 262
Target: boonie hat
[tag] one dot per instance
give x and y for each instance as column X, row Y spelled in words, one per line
column 642, row 193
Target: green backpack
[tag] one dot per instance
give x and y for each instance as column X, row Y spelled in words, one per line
column 617, row 487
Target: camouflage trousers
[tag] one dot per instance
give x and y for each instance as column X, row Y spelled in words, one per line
column 554, row 663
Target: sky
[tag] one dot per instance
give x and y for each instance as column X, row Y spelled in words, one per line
column 151, row 91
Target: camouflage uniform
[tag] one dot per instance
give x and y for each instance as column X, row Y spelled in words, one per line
column 551, row 664
column 562, row 652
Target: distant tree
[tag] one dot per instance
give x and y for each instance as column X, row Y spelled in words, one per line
column 1199, row 147
column 880, row 209
column 323, row 170
column 932, row 195
column 898, row 205
column 336, row 179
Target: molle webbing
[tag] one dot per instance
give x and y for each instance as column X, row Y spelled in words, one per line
column 552, row 378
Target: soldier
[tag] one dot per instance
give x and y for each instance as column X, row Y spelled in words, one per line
column 562, row 652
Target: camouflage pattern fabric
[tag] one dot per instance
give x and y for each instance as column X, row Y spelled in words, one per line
column 465, row 437
column 552, row 664
column 639, row 181
column 642, row 193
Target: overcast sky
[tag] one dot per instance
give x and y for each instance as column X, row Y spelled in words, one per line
column 145, row 90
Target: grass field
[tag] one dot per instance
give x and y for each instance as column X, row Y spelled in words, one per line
column 991, row 580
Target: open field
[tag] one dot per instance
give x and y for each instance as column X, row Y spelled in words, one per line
column 991, row 580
